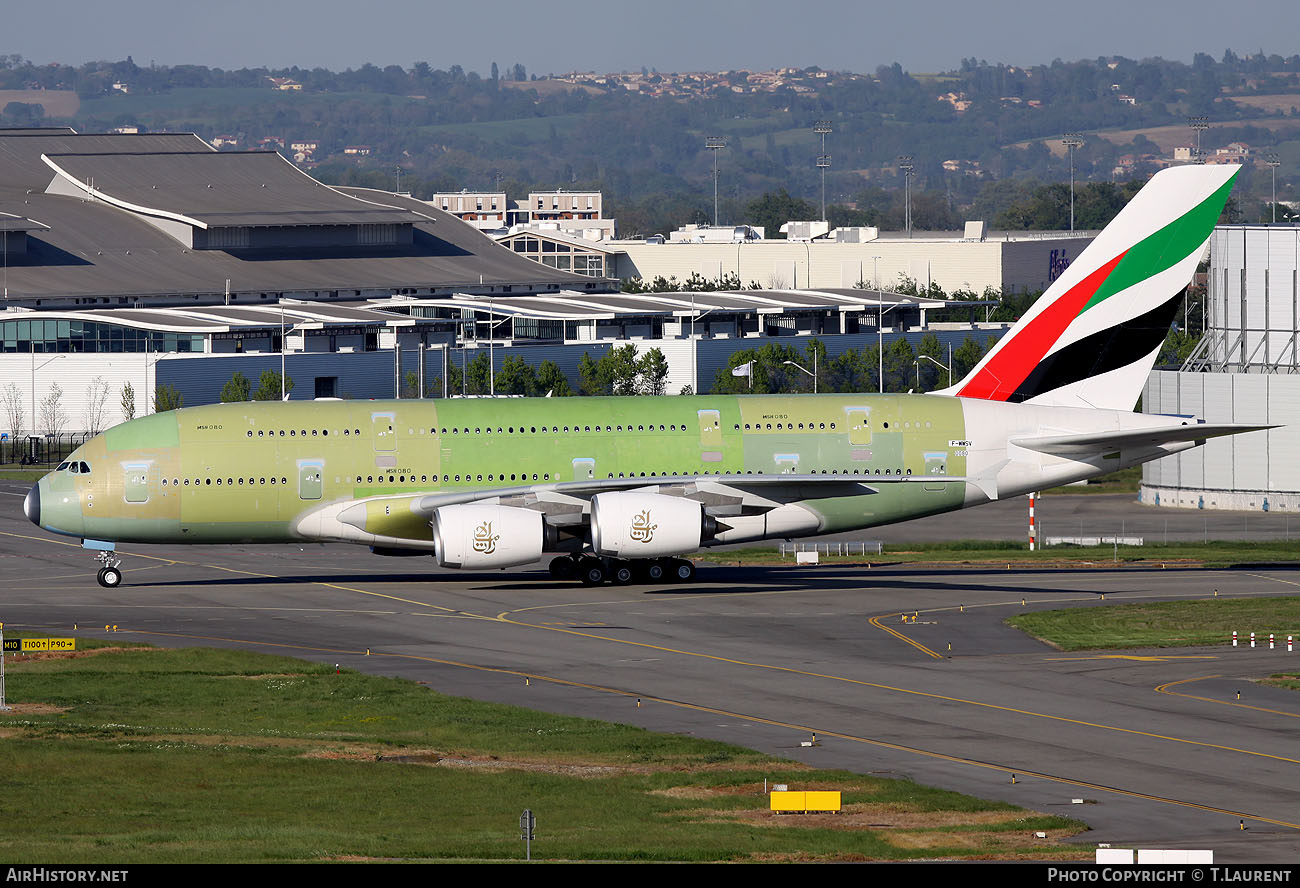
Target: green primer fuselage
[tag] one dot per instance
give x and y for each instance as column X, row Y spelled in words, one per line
column 248, row 472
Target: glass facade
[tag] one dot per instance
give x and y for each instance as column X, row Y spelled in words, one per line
column 85, row 336
column 561, row 256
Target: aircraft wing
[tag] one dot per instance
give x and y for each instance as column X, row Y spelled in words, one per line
column 406, row 516
column 721, row 494
column 1095, row 442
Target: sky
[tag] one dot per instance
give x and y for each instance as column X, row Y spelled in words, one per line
column 669, row 35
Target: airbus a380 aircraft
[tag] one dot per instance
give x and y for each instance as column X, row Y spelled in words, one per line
column 623, row 487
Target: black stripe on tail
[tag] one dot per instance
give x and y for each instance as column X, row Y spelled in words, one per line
column 1103, row 351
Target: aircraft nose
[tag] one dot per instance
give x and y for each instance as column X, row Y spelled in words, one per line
column 32, row 504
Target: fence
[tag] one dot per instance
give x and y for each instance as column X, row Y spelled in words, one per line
column 852, row 547
column 39, row 450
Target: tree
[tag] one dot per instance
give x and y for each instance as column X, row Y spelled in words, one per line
column 238, row 388
column 128, row 402
column 14, row 402
column 775, row 208
column 517, row 377
column 268, row 386
column 167, row 397
column 52, row 417
column 620, row 368
column 551, row 380
column 588, row 380
column 478, row 375
column 411, row 384
column 898, row 365
column 96, row 405
column 652, row 368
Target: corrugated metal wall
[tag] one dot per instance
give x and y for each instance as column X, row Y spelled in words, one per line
column 1253, row 462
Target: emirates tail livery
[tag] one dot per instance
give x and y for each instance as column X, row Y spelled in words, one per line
column 621, row 488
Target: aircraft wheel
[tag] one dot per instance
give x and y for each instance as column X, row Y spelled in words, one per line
column 621, row 573
column 110, row 577
column 563, row 568
column 592, row 572
column 655, row 571
column 683, row 571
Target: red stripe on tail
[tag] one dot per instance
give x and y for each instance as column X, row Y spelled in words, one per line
column 1018, row 356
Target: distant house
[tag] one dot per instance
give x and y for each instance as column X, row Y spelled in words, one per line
column 360, row 150
column 303, row 151
column 121, row 87
column 284, row 83
column 271, row 143
column 126, row 130
column 225, row 141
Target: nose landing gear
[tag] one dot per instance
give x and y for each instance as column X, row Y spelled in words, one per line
column 110, row 577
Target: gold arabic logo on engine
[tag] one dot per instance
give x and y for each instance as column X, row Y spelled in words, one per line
column 642, row 530
column 484, row 540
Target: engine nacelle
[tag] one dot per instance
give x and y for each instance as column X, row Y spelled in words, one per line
column 647, row 525
column 480, row 535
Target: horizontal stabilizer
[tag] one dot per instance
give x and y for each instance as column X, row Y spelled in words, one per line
column 1094, row 442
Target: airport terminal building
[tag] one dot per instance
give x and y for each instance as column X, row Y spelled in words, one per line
column 154, row 260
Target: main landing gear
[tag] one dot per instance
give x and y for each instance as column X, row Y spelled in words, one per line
column 110, row 577
column 593, row 571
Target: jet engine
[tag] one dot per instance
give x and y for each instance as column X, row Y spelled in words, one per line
column 477, row 535
column 647, row 525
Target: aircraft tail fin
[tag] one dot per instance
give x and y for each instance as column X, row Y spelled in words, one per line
column 1091, row 339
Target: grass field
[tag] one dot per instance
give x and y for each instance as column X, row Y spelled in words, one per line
column 1289, row 680
column 1162, row 624
column 196, row 755
column 1214, row 553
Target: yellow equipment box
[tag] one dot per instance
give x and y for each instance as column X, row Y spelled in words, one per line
column 805, row 802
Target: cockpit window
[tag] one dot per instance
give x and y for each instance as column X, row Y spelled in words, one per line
column 85, row 469
column 62, row 467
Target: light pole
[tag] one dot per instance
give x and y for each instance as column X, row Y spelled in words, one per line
column 821, row 128
column 908, row 169
column 1071, row 141
column 1199, row 124
column 880, row 317
column 813, row 374
column 284, row 393
column 1274, row 163
column 938, row 364
column 715, row 144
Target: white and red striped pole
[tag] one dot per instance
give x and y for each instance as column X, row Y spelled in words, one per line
column 1252, row 639
column 1289, row 648
column 1270, row 641
column 1033, row 533
column 1234, row 637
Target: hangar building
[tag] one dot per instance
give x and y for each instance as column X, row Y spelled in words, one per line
column 1245, row 370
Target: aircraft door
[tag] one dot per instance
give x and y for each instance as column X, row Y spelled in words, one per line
column 859, row 425
column 383, row 428
column 710, row 435
column 136, row 482
column 710, row 429
column 310, row 473
column 584, row 469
